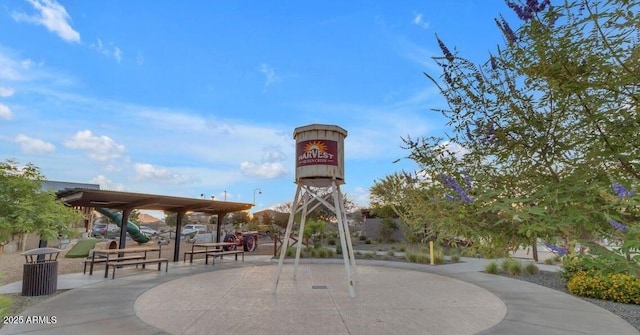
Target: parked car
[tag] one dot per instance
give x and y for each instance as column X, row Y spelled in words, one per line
column 105, row 230
column 148, row 231
column 99, row 229
column 192, row 228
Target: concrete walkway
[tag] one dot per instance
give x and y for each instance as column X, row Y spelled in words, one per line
column 236, row 298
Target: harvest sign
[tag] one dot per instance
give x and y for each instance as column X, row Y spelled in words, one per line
column 317, row 152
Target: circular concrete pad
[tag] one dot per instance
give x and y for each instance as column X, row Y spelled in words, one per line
column 388, row 301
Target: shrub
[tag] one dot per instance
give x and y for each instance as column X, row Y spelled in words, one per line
column 362, row 238
column 491, row 268
column 390, row 253
column 369, row 255
column 455, row 258
column 339, row 250
column 438, row 256
column 416, row 257
column 617, row 287
column 331, row 241
column 321, row 253
column 515, row 268
column 368, row 241
column 403, row 248
column 291, row 251
column 511, row 266
column 548, row 261
column 5, row 305
column 531, row 269
column 571, row 266
column 506, row 264
column 386, row 257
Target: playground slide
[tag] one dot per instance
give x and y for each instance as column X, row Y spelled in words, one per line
column 132, row 229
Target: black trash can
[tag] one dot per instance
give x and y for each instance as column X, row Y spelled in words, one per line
column 40, row 273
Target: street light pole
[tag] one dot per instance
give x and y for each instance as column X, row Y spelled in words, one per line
column 254, row 195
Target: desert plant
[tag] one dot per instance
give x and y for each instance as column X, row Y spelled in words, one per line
column 506, row 264
column 416, row 257
column 291, row 251
column 5, row 304
column 618, row 287
column 491, row 268
column 531, row 269
column 369, row 255
column 515, row 268
column 438, row 256
column 455, row 258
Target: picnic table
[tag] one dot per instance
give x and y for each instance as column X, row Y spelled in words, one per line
column 207, row 248
column 109, row 256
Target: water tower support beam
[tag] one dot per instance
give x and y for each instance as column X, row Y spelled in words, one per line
column 287, row 235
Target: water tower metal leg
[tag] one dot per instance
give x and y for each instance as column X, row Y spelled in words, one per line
column 352, row 257
column 303, row 219
column 343, row 242
column 285, row 243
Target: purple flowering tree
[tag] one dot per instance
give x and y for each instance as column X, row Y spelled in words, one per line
column 548, row 121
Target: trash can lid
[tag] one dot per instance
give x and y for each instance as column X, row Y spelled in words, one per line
column 41, row 251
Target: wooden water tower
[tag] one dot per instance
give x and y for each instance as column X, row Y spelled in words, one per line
column 319, row 174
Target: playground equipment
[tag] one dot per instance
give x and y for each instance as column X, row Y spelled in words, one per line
column 248, row 240
column 132, row 229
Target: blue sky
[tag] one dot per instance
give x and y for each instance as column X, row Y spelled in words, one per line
column 201, row 97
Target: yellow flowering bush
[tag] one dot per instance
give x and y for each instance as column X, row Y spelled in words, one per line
column 618, row 287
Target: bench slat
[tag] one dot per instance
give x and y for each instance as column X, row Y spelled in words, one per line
column 221, row 253
column 139, row 262
column 103, row 260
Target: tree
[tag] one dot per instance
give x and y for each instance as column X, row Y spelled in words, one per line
column 547, row 125
column 25, row 208
column 172, row 218
column 387, row 228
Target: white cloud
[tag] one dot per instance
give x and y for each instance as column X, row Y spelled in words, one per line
column 53, row 16
column 419, row 20
column 100, row 148
column 33, row 145
column 273, row 154
column 270, row 167
column 265, row 170
column 270, row 74
column 5, row 112
column 455, row 149
column 150, row 172
column 107, row 184
column 6, row 92
column 108, row 50
column 360, row 196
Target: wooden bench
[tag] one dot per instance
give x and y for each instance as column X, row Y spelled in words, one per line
column 90, row 261
column 221, row 253
column 193, row 252
column 137, row 262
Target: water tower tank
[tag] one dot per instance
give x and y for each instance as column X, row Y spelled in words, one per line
column 319, row 154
